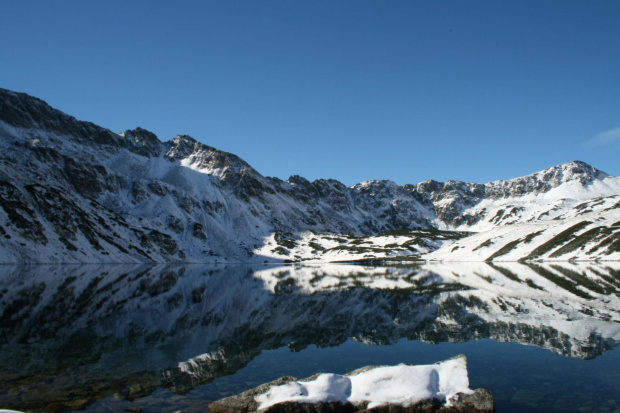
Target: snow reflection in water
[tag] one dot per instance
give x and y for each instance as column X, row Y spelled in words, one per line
column 71, row 335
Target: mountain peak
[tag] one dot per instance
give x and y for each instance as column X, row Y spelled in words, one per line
column 577, row 168
column 545, row 180
column 202, row 156
column 143, row 142
column 24, row 111
column 140, row 133
column 181, row 147
column 569, row 171
column 376, row 186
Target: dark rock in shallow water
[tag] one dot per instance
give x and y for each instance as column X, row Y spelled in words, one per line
column 245, row 401
column 480, row 401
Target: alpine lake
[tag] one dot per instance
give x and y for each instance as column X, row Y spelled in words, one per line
column 106, row 338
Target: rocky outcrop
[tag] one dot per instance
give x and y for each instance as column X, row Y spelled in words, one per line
column 479, row 401
column 145, row 142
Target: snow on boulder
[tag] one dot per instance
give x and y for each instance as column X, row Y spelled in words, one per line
column 441, row 387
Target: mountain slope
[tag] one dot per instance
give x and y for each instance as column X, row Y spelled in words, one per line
column 72, row 191
column 580, row 235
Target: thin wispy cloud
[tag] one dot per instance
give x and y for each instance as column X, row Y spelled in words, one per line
column 604, row 138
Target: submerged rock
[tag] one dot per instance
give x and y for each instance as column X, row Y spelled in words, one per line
column 442, row 388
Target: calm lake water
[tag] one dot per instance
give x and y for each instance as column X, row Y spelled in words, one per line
column 166, row 338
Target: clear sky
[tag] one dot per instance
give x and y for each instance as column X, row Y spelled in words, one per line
column 352, row 90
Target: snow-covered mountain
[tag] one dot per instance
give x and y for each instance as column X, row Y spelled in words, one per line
column 72, row 191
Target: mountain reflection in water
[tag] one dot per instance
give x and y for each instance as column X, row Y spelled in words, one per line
column 71, row 335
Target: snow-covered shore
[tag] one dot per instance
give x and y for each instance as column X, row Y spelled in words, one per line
column 439, row 387
column 403, row 385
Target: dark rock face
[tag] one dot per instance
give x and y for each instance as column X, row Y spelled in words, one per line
column 200, row 155
column 19, row 213
column 335, row 193
column 245, row 402
column 161, row 240
column 303, row 190
column 481, row 400
column 249, row 186
column 158, row 188
column 139, row 191
column 199, row 231
column 181, row 147
column 319, row 407
column 145, row 143
column 88, row 182
column 24, row 111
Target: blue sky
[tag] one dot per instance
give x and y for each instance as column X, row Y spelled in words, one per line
column 351, row 90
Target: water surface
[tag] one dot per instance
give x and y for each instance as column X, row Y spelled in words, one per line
column 165, row 338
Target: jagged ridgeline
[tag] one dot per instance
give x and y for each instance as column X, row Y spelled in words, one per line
column 72, row 191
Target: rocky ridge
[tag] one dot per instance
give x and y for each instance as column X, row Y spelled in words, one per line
column 72, row 191
column 478, row 401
